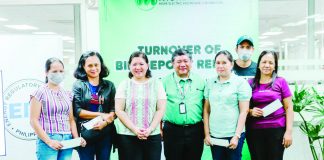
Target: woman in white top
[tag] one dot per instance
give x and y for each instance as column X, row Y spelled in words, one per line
column 140, row 105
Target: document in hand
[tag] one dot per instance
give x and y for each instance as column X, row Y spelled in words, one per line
column 272, row 107
column 89, row 125
column 219, row 142
column 71, row 143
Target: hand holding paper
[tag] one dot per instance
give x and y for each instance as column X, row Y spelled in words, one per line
column 219, row 142
column 89, row 125
column 71, row 143
column 272, row 107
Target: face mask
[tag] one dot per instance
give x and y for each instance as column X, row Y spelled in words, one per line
column 244, row 54
column 55, row 78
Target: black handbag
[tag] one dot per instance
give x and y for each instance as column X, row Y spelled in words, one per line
column 95, row 135
column 92, row 136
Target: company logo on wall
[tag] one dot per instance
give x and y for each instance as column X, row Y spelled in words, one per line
column 16, row 108
column 146, row 5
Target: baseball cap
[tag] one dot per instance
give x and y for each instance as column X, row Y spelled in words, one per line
column 245, row 38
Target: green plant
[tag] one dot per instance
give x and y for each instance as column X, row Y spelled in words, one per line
column 309, row 101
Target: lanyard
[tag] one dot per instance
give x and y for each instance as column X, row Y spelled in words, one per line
column 182, row 93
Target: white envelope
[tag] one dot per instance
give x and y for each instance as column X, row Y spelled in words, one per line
column 89, row 125
column 71, row 143
column 272, row 107
column 219, row 142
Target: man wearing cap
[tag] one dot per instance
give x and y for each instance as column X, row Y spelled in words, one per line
column 244, row 66
column 183, row 130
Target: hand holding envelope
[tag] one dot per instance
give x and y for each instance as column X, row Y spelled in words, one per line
column 272, row 107
column 219, row 142
column 90, row 124
column 267, row 110
column 71, row 143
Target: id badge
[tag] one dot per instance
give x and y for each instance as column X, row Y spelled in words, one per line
column 182, row 108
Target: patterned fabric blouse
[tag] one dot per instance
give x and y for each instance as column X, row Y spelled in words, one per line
column 141, row 102
column 55, row 109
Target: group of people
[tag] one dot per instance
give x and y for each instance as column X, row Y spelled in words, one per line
column 183, row 109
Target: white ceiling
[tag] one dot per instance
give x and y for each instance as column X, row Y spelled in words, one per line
column 273, row 14
column 276, row 13
column 47, row 18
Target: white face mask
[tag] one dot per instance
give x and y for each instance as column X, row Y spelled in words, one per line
column 55, row 78
column 244, row 54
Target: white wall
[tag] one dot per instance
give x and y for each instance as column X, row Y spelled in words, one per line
column 22, row 63
column 92, row 29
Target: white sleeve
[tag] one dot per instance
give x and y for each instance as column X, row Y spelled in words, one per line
column 121, row 90
column 161, row 92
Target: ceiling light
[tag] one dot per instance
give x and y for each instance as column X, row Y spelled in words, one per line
column 266, row 43
column 292, row 24
column 70, row 41
column 46, row 33
column 263, row 37
column 289, row 39
column 320, row 32
column 289, row 25
column 67, row 38
column 300, row 36
column 313, row 16
column 319, row 18
column 3, row 19
column 68, row 50
column 21, row 27
column 272, row 33
column 301, row 22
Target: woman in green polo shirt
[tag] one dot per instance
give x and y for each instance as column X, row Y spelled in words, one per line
column 227, row 104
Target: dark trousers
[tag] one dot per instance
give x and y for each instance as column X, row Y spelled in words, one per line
column 183, row 142
column 132, row 148
column 223, row 153
column 101, row 149
column 265, row 144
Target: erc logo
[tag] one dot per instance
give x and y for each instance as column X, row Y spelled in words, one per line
column 16, row 108
column 146, row 5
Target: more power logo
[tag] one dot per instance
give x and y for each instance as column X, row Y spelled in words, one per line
column 16, row 108
column 146, row 5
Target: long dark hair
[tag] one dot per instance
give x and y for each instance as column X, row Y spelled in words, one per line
column 48, row 64
column 142, row 55
column 80, row 73
column 256, row 81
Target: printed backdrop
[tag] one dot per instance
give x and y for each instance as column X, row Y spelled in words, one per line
column 159, row 27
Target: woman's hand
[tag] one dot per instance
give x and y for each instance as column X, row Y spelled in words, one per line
column 83, row 142
column 54, row 144
column 140, row 133
column 108, row 117
column 256, row 112
column 207, row 141
column 100, row 125
column 147, row 132
column 287, row 139
column 233, row 142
